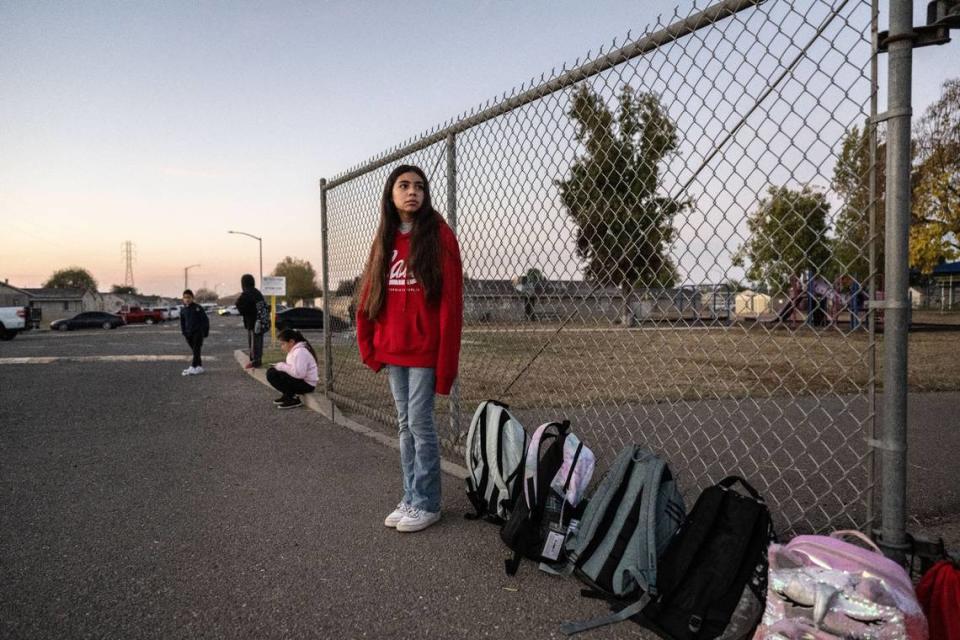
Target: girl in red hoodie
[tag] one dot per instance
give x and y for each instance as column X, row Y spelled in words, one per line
column 409, row 320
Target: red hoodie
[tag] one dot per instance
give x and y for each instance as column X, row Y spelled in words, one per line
column 408, row 332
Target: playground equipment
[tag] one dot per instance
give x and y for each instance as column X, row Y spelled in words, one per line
column 818, row 303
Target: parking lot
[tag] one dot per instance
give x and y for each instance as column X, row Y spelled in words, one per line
column 138, row 503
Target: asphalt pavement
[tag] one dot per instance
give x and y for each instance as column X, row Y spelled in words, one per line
column 138, row 503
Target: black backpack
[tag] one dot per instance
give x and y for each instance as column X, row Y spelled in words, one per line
column 712, row 577
column 541, row 515
column 262, row 322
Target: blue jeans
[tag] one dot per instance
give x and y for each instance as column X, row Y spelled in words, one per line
column 412, row 389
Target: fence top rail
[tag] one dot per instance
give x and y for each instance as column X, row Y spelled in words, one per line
column 649, row 42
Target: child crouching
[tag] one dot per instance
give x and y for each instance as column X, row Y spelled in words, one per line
column 298, row 374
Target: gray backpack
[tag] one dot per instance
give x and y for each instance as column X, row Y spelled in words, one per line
column 495, row 450
column 626, row 526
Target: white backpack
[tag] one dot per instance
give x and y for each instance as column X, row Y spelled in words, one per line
column 495, row 449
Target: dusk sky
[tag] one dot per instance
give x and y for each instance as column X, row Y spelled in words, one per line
column 169, row 123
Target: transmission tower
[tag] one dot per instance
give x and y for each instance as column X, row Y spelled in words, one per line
column 127, row 248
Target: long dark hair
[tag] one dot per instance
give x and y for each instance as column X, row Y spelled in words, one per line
column 292, row 334
column 424, row 260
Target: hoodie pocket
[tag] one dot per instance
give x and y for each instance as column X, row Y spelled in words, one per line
column 404, row 333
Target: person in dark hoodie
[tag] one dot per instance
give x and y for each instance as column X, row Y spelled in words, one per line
column 195, row 326
column 247, row 306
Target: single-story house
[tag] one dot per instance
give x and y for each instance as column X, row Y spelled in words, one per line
column 11, row 296
column 63, row 303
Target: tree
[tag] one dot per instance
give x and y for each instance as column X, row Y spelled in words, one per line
column 71, row 278
column 851, row 182
column 347, row 287
column 301, row 278
column 613, row 193
column 124, row 290
column 787, row 237
column 205, row 295
column 534, row 276
column 935, row 216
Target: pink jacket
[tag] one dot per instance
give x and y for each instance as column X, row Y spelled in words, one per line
column 300, row 364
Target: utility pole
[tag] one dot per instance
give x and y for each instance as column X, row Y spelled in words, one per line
column 185, row 272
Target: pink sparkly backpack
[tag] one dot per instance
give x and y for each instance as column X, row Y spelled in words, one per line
column 823, row 587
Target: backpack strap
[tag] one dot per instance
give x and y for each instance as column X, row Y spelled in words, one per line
column 651, row 487
column 729, row 481
column 476, row 491
column 478, row 505
column 477, row 416
column 493, row 448
column 532, row 464
column 513, row 563
column 571, row 628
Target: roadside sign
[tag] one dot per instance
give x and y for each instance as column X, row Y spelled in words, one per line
column 274, row 286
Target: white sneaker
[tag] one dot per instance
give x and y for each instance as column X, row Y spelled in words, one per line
column 189, row 371
column 197, row 371
column 417, row 519
column 396, row 515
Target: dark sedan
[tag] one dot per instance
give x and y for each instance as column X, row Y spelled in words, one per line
column 307, row 318
column 300, row 318
column 88, row 320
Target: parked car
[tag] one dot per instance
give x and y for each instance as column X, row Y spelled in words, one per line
column 138, row 315
column 13, row 320
column 88, row 320
column 229, row 311
column 168, row 313
column 307, row 318
column 300, row 318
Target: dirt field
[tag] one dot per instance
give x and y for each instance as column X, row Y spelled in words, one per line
column 591, row 367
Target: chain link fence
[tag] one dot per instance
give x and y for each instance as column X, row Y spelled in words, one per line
column 667, row 243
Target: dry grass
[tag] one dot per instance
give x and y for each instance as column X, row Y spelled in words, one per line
column 589, row 367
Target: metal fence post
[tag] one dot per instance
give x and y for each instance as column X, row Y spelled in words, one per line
column 452, row 221
column 327, row 351
column 871, row 462
column 894, row 445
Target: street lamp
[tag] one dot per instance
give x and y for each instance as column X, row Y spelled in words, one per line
column 185, row 270
column 260, row 240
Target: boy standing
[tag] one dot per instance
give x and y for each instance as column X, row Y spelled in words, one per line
column 195, row 326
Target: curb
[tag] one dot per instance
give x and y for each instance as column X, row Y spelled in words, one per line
column 319, row 403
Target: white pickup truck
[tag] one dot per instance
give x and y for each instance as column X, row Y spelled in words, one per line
column 13, row 320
